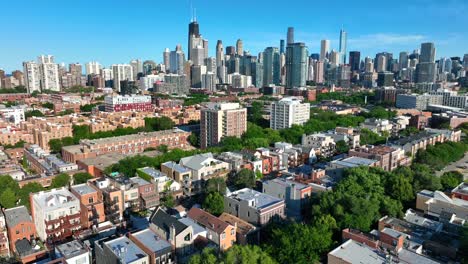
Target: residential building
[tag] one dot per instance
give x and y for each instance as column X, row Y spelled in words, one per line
column 420, row 102
column 204, row 167
column 220, row 120
column 180, row 174
column 4, row 243
column 412, row 144
column 254, row 207
column 440, row 205
column 56, row 214
column 336, row 168
column 379, row 126
column 180, row 235
column 136, row 143
column 389, row 158
column 32, row 76
column 246, row 233
column 161, row 180
column 91, row 205
column 159, row 250
column 296, row 65
column 119, row 250
column 73, row 252
column 113, row 198
column 121, row 72
column 461, row 191
column 296, row 195
column 147, row 194
column 287, row 112
column 118, row 103
column 49, row 73
column 324, row 144
column 218, row 231
column 41, row 162
column 271, row 66
column 93, row 67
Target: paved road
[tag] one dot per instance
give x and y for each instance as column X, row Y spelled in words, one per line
column 453, row 167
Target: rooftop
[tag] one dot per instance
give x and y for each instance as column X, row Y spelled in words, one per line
column 110, row 140
column 164, row 221
column 243, row 227
column 354, row 252
column 288, row 182
column 16, row 215
column 199, row 161
column 154, row 173
column 462, row 188
column 355, row 162
column 255, row 199
column 83, row 189
column 127, row 250
column 414, row 138
column 207, row 220
column 54, row 199
column 176, row 167
column 139, row 181
column 151, row 240
column 71, row 249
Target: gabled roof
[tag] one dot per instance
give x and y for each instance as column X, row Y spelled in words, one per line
column 164, row 221
column 207, row 220
column 197, row 162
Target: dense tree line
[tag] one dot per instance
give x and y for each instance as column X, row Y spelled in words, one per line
column 349, row 98
column 235, row 255
column 442, row 154
column 17, row 89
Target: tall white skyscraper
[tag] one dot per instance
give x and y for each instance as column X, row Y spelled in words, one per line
column 343, row 43
column 93, row 67
column 137, row 67
column 49, row 72
column 177, row 61
column 121, row 72
column 32, row 76
column 167, row 58
column 335, row 57
column 324, row 49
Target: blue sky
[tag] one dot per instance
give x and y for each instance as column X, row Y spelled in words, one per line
column 118, row 31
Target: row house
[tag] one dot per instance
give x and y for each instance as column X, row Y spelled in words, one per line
column 158, row 249
column 378, row 126
column 136, row 143
column 412, row 144
column 119, row 250
column 4, row 244
column 10, row 135
column 56, row 214
column 346, row 134
column 388, row 158
column 41, row 162
column 91, row 205
column 180, row 174
column 162, row 181
column 254, row 207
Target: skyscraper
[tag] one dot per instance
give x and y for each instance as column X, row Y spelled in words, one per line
column 93, row 67
column 354, row 60
column 296, row 65
column 290, row 38
column 287, row 112
column 137, row 68
column 194, row 32
column 271, row 66
column 49, row 72
column 177, row 61
column 219, row 53
column 196, row 41
column 318, row 72
column 121, row 72
column 343, row 42
column 324, row 49
column 167, row 59
column 32, row 76
column 230, row 50
column 381, row 63
column 240, row 47
column 282, row 46
column 426, row 68
column 335, row 57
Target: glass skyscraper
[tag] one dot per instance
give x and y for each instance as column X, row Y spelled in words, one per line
column 343, row 41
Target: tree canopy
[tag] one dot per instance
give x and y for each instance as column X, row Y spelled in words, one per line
column 60, row 180
column 245, row 178
column 81, row 177
column 214, row 203
column 235, row 255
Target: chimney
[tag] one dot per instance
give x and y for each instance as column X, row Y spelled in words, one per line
column 172, row 234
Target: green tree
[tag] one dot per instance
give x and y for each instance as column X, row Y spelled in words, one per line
column 194, row 139
column 214, row 203
column 245, row 178
column 26, row 190
column 424, row 178
column 217, row 184
column 342, row 147
column 247, row 254
column 168, row 200
column 55, row 145
column 207, row 256
column 7, row 182
column 8, row 198
column 48, row 105
column 231, row 143
column 60, row 180
column 163, row 148
column 451, row 179
column 32, row 113
column 81, row 177
column 87, row 107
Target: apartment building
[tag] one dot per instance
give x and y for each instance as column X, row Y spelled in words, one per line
column 378, row 126
column 159, row 250
column 56, row 214
column 254, row 207
column 41, row 161
column 440, row 205
column 388, row 158
column 412, row 144
column 4, row 243
column 91, row 205
column 180, row 174
column 10, row 135
column 119, row 250
column 118, row 103
column 136, row 143
column 324, row 145
column 220, row 120
column 296, row 195
column 218, row 231
column 204, row 167
column 287, row 112
column 246, row 233
column 162, row 181
column 113, row 199
column 73, row 252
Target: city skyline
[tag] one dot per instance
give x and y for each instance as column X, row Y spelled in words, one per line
column 97, row 37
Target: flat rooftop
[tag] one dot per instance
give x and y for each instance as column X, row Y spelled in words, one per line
column 129, row 250
column 132, row 137
column 83, row 189
column 151, row 240
column 354, row 252
column 16, row 215
column 54, row 199
column 355, row 162
column 71, row 249
column 255, row 199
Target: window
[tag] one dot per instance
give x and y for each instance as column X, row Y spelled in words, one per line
column 232, row 231
column 223, row 235
column 90, row 200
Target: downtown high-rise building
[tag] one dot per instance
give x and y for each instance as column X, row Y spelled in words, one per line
column 240, row 47
column 287, row 112
column 198, row 47
column 403, row 60
column 177, row 61
column 354, row 60
column 290, row 36
column 137, row 68
column 381, row 63
column 221, row 120
column 121, row 72
column 271, row 66
column 93, row 67
column 296, row 65
column 319, row 71
column 194, row 32
column 324, row 49
column 343, row 44
column 426, row 68
column 334, row 57
column 282, row 50
column 167, row 58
